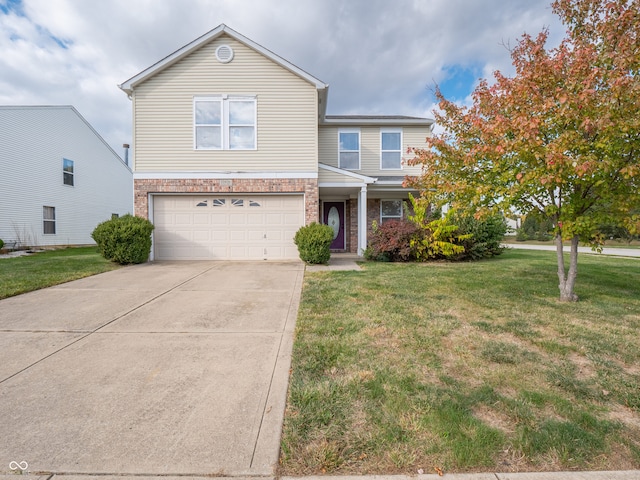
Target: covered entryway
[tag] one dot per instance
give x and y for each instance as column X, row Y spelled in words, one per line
column 226, row 227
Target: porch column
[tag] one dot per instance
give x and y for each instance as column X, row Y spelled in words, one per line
column 362, row 220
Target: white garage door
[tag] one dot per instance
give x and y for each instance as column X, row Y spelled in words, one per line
column 217, row 227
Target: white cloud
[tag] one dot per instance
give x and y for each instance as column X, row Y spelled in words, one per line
column 378, row 56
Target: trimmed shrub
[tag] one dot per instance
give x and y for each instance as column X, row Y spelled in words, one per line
column 391, row 241
column 1, row 243
column 124, row 240
column 314, row 243
column 486, row 236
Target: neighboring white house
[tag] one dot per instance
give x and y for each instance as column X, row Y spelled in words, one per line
column 59, row 177
column 234, row 152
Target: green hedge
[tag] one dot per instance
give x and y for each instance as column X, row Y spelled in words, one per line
column 124, row 240
column 314, row 242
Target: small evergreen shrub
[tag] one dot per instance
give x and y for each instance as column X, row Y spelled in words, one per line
column 391, row 241
column 486, row 236
column 535, row 227
column 314, row 243
column 1, row 243
column 521, row 235
column 124, row 240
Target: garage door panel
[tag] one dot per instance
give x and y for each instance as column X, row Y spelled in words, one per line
column 201, row 235
column 291, row 219
column 237, row 219
column 201, row 219
column 255, row 219
column 183, row 219
column 220, row 235
column 235, row 227
column 219, row 219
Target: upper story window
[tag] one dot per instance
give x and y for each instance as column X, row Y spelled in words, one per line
column 67, row 171
column 349, row 149
column 390, row 149
column 224, row 123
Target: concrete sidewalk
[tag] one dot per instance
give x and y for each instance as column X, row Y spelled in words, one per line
column 617, row 252
column 157, row 369
column 604, row 475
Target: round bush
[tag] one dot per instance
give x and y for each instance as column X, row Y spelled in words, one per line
column 124, row 240
column 314, row 243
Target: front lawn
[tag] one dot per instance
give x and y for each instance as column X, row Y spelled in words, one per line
column 45, row 269
column 466, row 367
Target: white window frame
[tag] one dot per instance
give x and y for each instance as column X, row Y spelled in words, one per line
column 383, row 218
column 225, row 125
column 66, row 174
column 340, row 150
column 399, row 151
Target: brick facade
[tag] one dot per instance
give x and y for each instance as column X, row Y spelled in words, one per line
column 306, row 186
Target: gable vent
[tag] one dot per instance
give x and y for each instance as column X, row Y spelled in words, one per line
column 224, row 53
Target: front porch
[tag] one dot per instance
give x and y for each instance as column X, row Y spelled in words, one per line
column 350, row 203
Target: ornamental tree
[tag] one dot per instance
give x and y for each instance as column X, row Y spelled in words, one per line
column 561, row 137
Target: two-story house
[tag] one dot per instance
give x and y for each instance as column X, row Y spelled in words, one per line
column 60, row 178
column 233, row 152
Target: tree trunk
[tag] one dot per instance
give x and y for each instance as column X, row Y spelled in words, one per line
column 567, row 280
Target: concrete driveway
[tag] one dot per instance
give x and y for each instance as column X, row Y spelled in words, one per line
column 156, row 369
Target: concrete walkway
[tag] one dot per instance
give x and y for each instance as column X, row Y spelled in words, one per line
column 156, row 369
column 338, row 262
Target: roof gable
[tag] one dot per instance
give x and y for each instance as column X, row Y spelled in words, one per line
column 35, row 117
column 129, row 85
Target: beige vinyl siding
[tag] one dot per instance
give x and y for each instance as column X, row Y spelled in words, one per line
column 412, row 136
column 287, row 114
column 327, row 176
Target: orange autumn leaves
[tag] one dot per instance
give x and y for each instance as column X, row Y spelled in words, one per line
column 562, row 136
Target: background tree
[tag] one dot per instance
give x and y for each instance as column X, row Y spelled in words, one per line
column 561, row 137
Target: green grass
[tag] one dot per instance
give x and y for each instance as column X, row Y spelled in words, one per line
column 44, row 269
column 466, row 367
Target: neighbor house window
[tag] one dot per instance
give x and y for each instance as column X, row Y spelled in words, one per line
column 349, row 149
column 224, row 123
column 49, row 220
column 67, row 171
column 390, row 149
column 390, row 210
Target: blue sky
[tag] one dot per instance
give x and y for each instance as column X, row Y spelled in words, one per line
column 378, row 56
